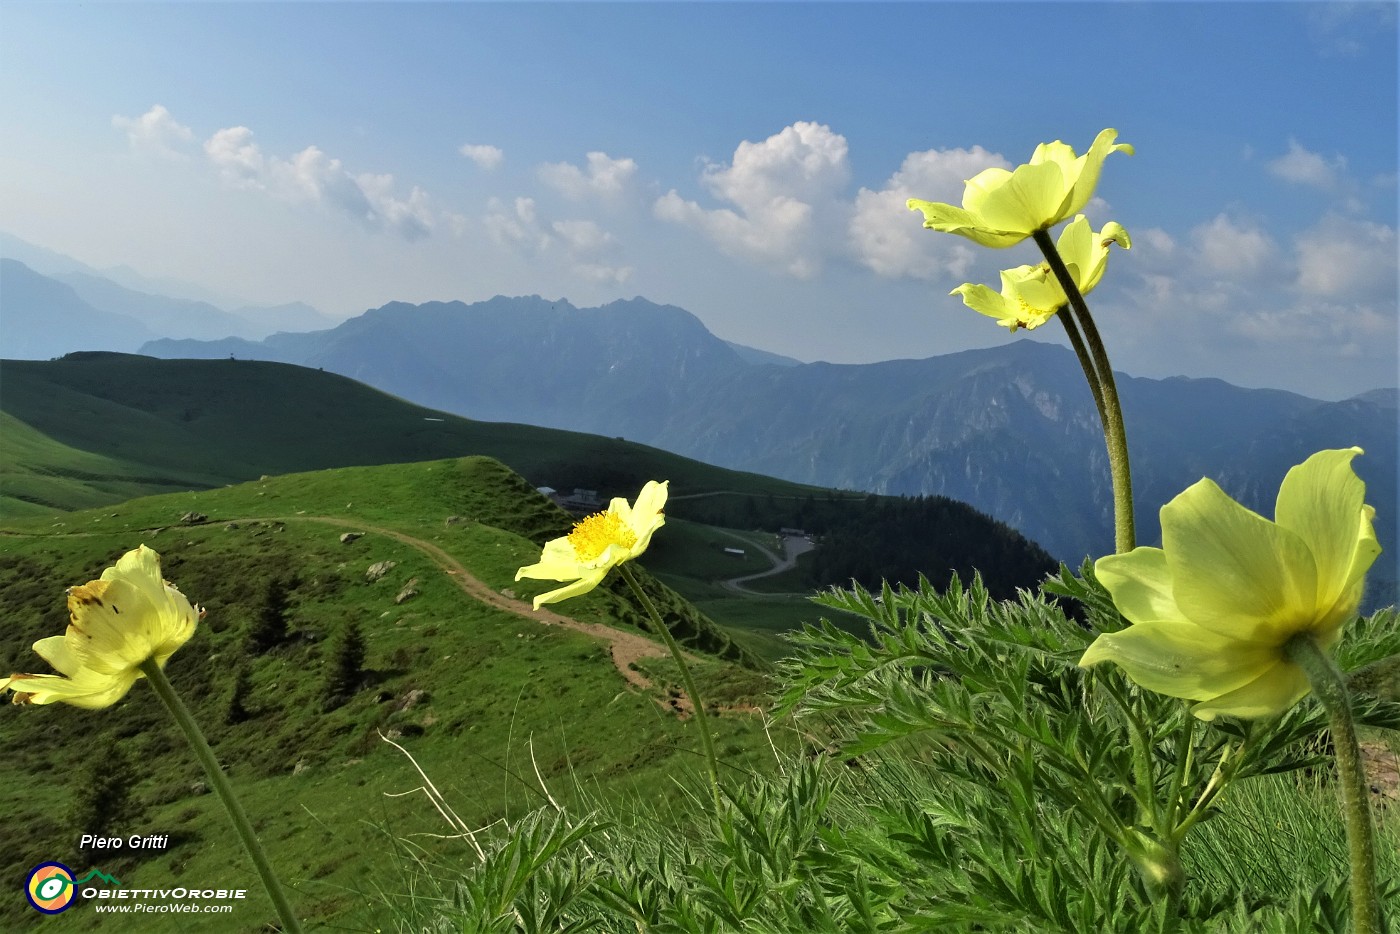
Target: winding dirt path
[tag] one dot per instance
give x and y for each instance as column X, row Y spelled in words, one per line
column 624, row 647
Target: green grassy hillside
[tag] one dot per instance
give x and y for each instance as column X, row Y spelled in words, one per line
column 504, row 696
column 39, row 476
column 224, row 421
column 155, row 424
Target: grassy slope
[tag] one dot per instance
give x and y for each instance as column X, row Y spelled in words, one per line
column 206, row 423
column 496, row 683
column 228, row 421
column 40, row 476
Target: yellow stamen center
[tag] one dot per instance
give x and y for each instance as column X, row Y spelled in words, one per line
column 592, row 536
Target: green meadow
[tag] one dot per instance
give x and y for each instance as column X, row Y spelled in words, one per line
column 510, row 710
column 917, row 758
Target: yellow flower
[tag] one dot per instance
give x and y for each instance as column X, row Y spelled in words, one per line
column 597, row 543
column 1215, row 607
column 1031, row 295
column 1002, row 208
column 128, row 616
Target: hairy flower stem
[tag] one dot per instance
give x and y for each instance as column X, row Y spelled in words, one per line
column 1097, row 368
column 224, row 790
column 695, row 700
column 1076, row 340
column 1330, row 687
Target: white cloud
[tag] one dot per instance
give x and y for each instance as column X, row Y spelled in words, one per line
column 410, row 217
column 583, row 236
column 1155, row 242
column 786, row 191
column 237, row 157
column 1224, row 246
column 588, row 251
column 1347, row 30
column 603, row 177
column 891, row 240
column 1339, row 257
column 486, row 157
column 155, row 131
column 312, row 176
column 515, row 224
column 1303, row 167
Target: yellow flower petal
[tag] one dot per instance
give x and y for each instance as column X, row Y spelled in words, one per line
column 1274, row 691
column 1235, row 572
column 1180, row 659
column 85, row 689
column 949, row 219
column 1141, row 585
column 1215, row 608
column 578, row 587
column 1319, row 501
column 597, row 543
column 1086, row 179
column 1001, row 208
column 116, row 623
column 1026, row 200
column 1031, row 295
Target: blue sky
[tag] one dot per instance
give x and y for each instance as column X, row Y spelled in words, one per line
column 748, row 162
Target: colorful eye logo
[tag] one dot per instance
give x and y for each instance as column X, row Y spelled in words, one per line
column 50, row 887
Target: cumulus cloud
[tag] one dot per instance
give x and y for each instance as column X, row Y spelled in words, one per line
column 486, row 157
column 890, row 239
column 515, row 224
column 1155, row 242
column 588, row 251
column 155, row 131
column 312, row 176
column 1233, row 248
column 785, row 195
column 1343, row 257
column 239, row 160
column 603, row 177
column 1303, row 167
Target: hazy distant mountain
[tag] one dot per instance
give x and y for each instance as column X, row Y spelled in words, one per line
column 1011, row 430
column 172, row 317
column 754, row 355
column 51, row 263
column 167, row 307
column 42, row 318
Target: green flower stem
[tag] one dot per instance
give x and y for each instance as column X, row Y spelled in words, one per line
column 1076, row 340
column 695, row 700
column 1111, row 412
column 1142, row 759
column 1330, row 687
column 223, row 789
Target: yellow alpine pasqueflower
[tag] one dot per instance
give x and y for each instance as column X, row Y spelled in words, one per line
column 1002, row 208
column 1213, row 609
column 597, row 543
column 1031, row 295
column 115, row 623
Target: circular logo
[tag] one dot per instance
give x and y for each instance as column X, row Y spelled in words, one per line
column 50, row 887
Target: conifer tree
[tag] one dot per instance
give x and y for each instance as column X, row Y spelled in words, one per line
column 103, row 804
column 346, row 666
column 269, row 629
column 237, row 710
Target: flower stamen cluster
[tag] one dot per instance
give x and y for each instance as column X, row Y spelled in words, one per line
column 593, row 535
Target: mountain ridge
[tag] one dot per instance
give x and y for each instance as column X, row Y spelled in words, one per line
column 1011, row 430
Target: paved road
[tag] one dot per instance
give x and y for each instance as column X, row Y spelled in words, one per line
column 793, row 546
